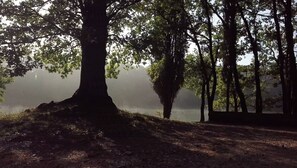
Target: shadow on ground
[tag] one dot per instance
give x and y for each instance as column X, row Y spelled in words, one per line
column 62, row 136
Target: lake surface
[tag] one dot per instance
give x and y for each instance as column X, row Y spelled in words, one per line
column 187, row 115
column 131, row 91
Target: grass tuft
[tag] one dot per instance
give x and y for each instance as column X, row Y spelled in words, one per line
column 4, row 116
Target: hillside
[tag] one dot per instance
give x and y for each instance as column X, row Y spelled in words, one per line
column 58, row 136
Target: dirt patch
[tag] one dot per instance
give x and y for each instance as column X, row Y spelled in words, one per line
column 55, row 138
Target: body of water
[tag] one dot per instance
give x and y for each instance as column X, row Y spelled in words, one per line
column 187, row 115
column 131, row 91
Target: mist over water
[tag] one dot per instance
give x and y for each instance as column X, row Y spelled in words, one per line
column 189, row 115
column 131, row 91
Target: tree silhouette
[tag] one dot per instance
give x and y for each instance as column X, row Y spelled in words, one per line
column 165, row 41
column 254, row 46
column 62, row 35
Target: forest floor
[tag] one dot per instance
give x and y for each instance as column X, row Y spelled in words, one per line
column 57, row 137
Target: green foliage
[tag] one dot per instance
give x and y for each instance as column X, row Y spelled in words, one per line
column 112, row 70
column 220, row 101
column 193, row 74
column 4, row 80
column 166, row 82
column 59, row 55
column 269, row 87
column 155, row 69
column 38, row 33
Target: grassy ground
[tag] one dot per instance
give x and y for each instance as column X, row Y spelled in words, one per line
column 59, row 136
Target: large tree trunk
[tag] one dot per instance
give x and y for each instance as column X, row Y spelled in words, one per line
column 291, row 56
column 93, row 88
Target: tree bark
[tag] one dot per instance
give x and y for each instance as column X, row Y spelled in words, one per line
column 93, row 89
column 202, row 107
column 280, row 58
column 211, row 95
column 235, row 100
column 239, row 90
column 228, row 85
column 291, row 56
column 232, row 52
column 205, row 79
column 167, row 107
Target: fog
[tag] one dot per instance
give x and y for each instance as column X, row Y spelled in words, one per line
column 131, row 91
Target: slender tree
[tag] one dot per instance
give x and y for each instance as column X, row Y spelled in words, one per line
column 254, row 46
column 200, row 33
column 280, row 59
column 230, row 9
column 211, row 94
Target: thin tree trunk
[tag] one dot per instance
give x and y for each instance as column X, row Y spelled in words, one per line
column 235, row 100
column 204, row 74
column 280, row 58
column 239, row 91
column 202, row 107
column 259, row 106
column 232, row 53
column 211, row 95
column 228, row 85
column 253, row 42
